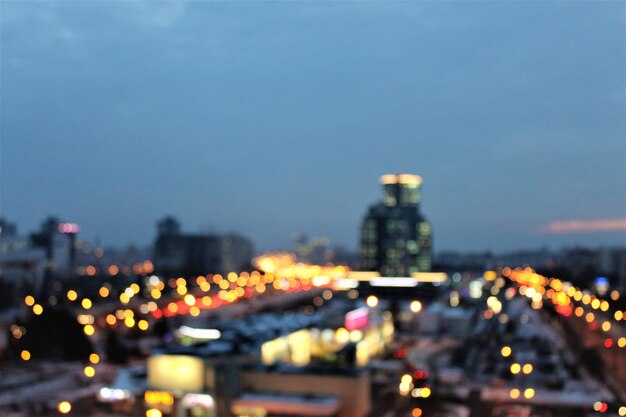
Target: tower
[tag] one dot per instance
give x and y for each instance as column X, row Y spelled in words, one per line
column 396, row 239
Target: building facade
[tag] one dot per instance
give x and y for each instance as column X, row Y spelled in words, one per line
column 396, row 239
column 22, row 266
column 182, row 254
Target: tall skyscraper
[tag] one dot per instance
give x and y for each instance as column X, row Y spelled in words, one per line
column 396, row 239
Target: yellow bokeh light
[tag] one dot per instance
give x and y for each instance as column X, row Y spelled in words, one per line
column 153, row 412
column 110, row 319
column 90, row 372
column 94, row 358
column 37, row 309
column 514, row 393
column 89, row 330
column 25, row 355
column 516, row 368
column 527, row 368
column 415, row 306
column 190, row 300
column 506, row 351
column 104, row 292
column 124, row 298
column 64, row 407
column 372, row 301
column 143, row 325
column 72, row 295
column 29, row 300
column 529, row 393
column 86, row 303
column 342, row 335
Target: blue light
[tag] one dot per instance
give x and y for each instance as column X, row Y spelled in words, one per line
column 601, row 281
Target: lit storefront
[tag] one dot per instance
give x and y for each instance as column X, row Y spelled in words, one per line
column 177, row 386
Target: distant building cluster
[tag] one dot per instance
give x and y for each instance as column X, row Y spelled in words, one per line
column 185, row 254
column 396, row 239
column 315, row 251
column 27, row 262
column 581, row 265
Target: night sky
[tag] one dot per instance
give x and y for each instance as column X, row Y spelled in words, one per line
column 271, row 118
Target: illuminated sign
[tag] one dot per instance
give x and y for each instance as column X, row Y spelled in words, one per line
column 433, row 276
column 345, row 284
column 274, row 351
column 294, row 349
column 393, row 282
column 198, row 400
column 68, row 228
column 356, row 319
column 176, row 372
column 154, row 398
column 202, row 334
column 321, row 280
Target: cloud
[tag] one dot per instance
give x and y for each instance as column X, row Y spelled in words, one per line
column 585, row 226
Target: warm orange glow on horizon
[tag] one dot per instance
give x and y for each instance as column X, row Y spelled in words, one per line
column 597, row 225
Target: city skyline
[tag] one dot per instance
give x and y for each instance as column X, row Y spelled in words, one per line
column 272, row 121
